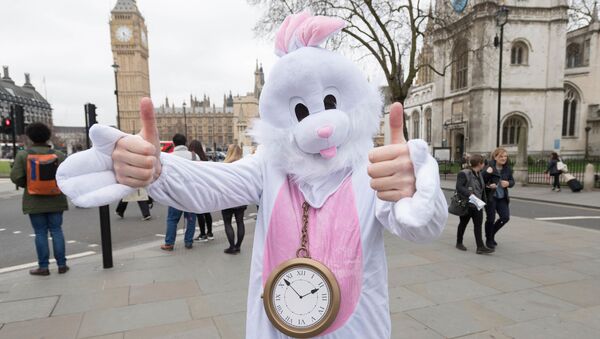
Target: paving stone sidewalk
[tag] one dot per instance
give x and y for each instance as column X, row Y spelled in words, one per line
column 543, row 282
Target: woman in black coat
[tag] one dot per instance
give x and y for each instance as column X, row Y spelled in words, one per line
column 470, row 182
column 552, row 169
column 498, row 179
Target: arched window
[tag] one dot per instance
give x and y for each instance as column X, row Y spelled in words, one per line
column 574, row 55
column 519, row 54
column 428, row 125
column 460, row 66
column 569, row 112
column 416, row 123
column 511, row 130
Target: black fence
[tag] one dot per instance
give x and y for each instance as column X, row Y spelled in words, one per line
column 536, row 168
column 576, row 167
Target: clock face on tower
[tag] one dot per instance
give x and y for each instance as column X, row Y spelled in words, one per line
column 124, row 33
column 459, row 5
column 144, row 39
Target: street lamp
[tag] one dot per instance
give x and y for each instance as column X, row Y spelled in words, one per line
column 116, row 69
column 501, row 19
column 185, row 120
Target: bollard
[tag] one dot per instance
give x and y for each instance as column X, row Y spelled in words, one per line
column 105, row 237
column 588, row 178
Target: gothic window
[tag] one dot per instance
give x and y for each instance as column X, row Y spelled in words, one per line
column 519, row 54
column 511, row 130
column 460, row 66
column 574, row 55
column 416, row 123
column 428, row 125
column 569, row 112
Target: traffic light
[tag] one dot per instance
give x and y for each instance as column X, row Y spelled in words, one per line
column 6, row 125
column 90, row 111
column 19, row 116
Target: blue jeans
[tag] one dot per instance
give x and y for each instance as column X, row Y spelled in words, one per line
column 173, row 217
column 42, row 223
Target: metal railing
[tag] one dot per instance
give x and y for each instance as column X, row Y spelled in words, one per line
column 535, row 168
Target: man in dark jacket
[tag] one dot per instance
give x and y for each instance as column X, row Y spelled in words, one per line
column 45, row 211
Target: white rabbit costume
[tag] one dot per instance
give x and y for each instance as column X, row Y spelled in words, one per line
column 318, row 116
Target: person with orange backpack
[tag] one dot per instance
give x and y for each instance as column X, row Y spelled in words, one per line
column 34, row 169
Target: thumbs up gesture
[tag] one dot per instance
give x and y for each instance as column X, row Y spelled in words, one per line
column 391, row 170
column 136, row 157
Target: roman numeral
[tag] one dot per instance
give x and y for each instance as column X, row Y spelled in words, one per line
column 302, row 273
column 279, row 309
column 321, row 284
column 324, row 297
column 278, row 297
column 289, row 276
column 321, row 309
column 301, row 322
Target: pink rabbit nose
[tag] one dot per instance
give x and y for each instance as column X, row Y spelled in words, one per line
column 325, row 132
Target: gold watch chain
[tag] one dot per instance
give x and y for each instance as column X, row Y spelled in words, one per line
column 303, row 252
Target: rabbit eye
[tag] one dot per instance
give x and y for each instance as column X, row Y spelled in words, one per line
column 301, row 111
column 330, row 102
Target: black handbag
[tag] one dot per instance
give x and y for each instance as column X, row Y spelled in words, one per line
column 458, row 205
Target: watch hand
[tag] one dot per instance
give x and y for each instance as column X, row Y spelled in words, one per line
column 313, row 291
column 293, row 289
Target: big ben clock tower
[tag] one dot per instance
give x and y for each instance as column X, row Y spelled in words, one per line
column 129, row 42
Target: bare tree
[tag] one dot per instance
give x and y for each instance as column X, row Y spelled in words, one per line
column 391, row 31
column 581, row 13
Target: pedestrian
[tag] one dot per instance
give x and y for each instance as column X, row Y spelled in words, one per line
column 204, row 219
column 174, row 214
column 553, row 171
column 498, row 179
column 469, row 182
column 234, row 153
column 141, row 197
column 34, row 169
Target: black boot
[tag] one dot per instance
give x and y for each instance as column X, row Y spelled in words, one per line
column 484, row 250
column 460, row 246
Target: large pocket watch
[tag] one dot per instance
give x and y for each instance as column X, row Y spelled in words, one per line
column 302, row 296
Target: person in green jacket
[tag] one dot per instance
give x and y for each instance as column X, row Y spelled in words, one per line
column 45, row 211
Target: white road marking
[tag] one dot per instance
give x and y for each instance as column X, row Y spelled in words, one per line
column 34, row 264
column 93, row 245
column 32, row 235
column 16, row 232
column 71, row 242
column 2, row 229
column 160, row 235
column 568, row 218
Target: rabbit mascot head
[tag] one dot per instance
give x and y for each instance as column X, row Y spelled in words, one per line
column 318, row 112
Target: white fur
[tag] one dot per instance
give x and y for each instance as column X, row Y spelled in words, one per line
column 309, row 74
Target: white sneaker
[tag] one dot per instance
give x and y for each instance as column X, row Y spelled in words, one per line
column 147, row 218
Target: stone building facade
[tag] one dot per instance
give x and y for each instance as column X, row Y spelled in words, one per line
column 35, row 106
column 581, row 106
column 459, row 110
column 211, row 124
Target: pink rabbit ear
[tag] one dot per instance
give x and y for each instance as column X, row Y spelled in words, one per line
column 317, row 29
column 286, row 31
column 303, row 30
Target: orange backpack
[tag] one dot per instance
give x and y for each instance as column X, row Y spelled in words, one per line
column 41, row 173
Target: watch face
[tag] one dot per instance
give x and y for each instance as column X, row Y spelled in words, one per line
column 301, row 297
column 124, row 33
column 459, row 5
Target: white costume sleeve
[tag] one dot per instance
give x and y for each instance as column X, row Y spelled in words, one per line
column 89, row 180
column 422, row 217
column 202, row 186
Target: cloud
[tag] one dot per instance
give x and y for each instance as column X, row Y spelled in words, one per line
column 196, row 47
